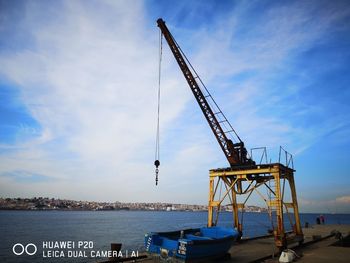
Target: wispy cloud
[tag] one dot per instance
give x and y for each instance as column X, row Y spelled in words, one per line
column 255, row 66
column 27, row 177
column 89, row 81
column 338, row 205
column 343, row 199
column 88, row 76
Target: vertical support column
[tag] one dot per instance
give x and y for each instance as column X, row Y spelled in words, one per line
column 211, row 199
column 279, row 235
column 295, row 205
column 239, row 186
column 237, row 225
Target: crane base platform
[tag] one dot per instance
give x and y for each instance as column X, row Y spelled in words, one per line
column 242, row 180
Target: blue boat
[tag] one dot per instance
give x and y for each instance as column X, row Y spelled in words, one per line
column 190, row 244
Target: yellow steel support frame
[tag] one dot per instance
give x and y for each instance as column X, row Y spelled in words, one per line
column 257, row 176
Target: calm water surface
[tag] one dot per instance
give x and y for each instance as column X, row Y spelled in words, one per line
column 105, row 227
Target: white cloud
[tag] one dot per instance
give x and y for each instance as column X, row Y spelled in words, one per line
column 266, row 50
column 343, row 199
column 89, row 77
column 335, row 205
column 90, row 82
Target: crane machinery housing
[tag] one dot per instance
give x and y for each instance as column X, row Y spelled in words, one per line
column 243, row 176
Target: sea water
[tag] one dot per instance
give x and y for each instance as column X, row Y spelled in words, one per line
column 85, row 236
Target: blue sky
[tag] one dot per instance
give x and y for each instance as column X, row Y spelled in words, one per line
column 78, row 86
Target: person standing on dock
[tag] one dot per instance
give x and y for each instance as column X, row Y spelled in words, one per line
column 322, row 219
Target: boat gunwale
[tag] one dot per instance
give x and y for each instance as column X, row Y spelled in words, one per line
column 175, row 236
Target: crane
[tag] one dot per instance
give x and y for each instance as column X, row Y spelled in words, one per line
column 235, row 152
column 243, row 171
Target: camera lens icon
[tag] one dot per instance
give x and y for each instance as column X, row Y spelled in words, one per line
column 30, row 249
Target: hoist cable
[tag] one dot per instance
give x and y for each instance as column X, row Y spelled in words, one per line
column 157, row 151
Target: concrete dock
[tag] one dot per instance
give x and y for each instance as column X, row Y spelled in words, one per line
column 318, row 246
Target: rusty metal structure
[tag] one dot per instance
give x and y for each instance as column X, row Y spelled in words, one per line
column 242, row 181
column 244, row 176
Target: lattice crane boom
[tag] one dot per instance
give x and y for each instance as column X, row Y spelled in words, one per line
column 235, row 153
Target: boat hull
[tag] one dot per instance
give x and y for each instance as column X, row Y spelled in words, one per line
column 196, row 243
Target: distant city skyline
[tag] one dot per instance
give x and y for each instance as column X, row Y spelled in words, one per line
column 45, row 203
column 78, row 93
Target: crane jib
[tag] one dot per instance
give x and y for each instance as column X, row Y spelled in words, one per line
column 235, row 152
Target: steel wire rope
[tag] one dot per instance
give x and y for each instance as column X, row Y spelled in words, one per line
column 157, row 151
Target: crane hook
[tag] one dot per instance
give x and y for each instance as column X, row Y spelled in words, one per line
column 157, row 163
